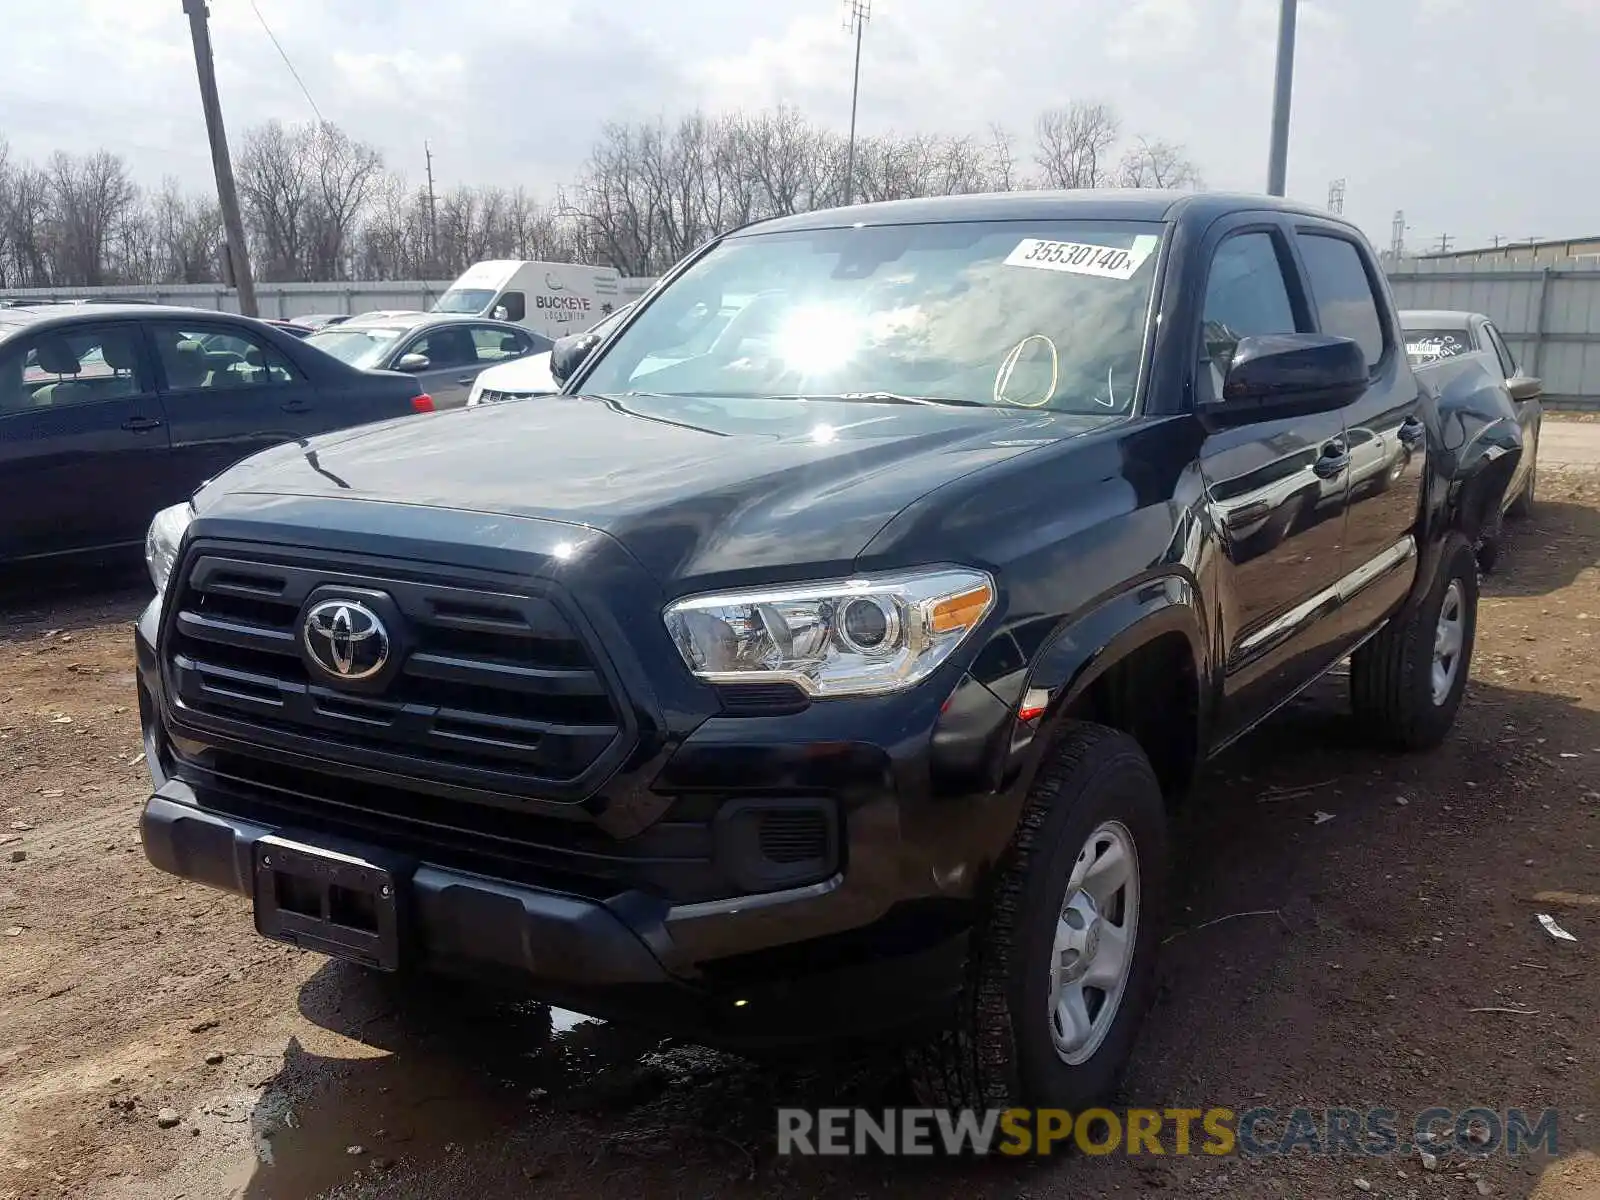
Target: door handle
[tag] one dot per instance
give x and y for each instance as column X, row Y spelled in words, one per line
column 1411, row 431
column 295, row 406
column 1333, row 461
column 141, row 424
column 466, row 380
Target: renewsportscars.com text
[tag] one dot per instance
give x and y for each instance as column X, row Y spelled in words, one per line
column 1255, row 1132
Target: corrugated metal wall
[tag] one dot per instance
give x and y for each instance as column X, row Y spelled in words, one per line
column 1549, row 315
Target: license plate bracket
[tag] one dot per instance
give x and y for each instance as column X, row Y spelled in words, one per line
column 327, row 900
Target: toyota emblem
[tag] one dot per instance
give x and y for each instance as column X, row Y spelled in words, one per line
column 346, row 639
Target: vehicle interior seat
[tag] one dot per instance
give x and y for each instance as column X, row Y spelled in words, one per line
column 55, row 357
column 509, row 347
column 451, row 348
column 187, row 366
column 118, row 352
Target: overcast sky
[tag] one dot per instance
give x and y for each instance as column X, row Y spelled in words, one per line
column 1477, row 117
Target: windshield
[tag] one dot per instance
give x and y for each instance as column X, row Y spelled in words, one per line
column 1430, row 345
column 364, row 348
column 1035, row 315
column 464, row 300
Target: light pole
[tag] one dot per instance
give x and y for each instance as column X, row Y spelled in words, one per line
column 1283, row 86
column 860, row 14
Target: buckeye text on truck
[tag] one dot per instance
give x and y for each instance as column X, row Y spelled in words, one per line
column 550, row 298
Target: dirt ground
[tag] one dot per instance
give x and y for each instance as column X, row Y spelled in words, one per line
column 1366, row 945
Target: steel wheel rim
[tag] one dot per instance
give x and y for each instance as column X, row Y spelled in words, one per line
column 1097, row 929
column 1448, row 636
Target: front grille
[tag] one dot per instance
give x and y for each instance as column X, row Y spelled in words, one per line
column 494, row 690
column 494, row 396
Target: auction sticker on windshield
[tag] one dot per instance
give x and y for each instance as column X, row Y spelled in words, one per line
column 1081, row 258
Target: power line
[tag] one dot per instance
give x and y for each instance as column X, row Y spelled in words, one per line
column 287, row 63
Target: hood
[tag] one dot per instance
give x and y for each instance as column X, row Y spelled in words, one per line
column 530, row 374
column 693, row 488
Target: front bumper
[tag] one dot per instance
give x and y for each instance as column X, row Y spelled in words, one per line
column 879, row 945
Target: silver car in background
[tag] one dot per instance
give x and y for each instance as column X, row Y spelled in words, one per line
column 445, row 352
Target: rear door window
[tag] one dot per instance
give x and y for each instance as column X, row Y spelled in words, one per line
column 73, row 366
column 1347, row 306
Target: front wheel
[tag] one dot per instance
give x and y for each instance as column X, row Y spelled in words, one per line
column 1063, row 965
column 1406, row 684
column 1522, row 507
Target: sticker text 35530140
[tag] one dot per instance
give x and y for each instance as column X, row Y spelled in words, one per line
column 1082, row 258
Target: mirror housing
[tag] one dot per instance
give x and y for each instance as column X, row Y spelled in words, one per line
column 1289, row 375
column 413, row 362
column 501, row 312
column 568, row 353
column 1525, row 387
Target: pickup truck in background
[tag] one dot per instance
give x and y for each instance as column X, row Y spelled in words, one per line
column 834, row 674
column 1464, row 356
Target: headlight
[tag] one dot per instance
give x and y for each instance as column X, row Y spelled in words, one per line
column 850, row 637
column 161, row 543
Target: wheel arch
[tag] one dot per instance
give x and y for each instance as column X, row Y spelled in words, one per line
column 1136, row 662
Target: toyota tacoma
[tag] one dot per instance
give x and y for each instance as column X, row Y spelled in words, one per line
column 825, row 659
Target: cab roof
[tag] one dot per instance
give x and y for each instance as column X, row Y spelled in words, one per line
column 1108, row 204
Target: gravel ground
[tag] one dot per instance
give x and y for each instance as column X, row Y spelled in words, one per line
column 152, row 1046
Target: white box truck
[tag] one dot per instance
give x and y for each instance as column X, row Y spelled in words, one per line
column 549, row 298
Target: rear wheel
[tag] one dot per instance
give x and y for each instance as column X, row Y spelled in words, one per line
column 1062, row 968
column 1406, row 683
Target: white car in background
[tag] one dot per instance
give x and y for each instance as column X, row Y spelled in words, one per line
column 529, row 376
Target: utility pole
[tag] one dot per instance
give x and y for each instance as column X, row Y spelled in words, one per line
column 433, row 215
column 860, row 14
column 227, row 197
column 1282, row 88
column 1444, row 243
column 1336, row 197
column 1397, row 238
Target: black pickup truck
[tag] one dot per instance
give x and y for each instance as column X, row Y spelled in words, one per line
column 823, row 661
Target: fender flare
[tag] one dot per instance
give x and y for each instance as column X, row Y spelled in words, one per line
column 1090, row 643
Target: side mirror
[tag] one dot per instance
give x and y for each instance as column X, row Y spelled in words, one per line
column 1525, row 387
column 413, row 362
column 1289, row 375
column 568, row 353
column 501, row 313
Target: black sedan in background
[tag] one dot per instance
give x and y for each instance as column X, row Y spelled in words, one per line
column 110, row 413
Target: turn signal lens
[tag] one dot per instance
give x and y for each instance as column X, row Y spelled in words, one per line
column 961, row 611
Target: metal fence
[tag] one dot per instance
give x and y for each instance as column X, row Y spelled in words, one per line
column 1549, row 314
column 281, row 299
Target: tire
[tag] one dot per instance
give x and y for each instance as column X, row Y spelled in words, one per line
column 1522, row 507
column 1488, row 554
column 1392, row 678
column 1095, row 790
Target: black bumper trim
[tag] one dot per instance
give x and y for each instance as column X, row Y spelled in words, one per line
column 456, row 916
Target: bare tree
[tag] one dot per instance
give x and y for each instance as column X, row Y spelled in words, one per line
column 276, row 191
column 1157, row 164
column 90, row 197
column 320, row 205
column 346, row 175
column 1074, row 142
